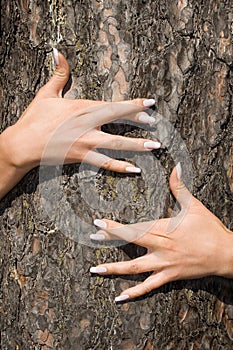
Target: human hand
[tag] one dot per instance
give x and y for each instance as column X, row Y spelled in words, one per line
column 193, row 244
column 54, row 130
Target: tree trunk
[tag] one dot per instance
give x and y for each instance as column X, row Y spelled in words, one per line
column 178, row 52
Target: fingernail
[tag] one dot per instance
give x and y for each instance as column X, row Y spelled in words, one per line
column 152, row 144
column 179, row 171
column 100, row 223
column 132, row 169
column 148, row 103
column 122, row 297
column 97, row 237
column 145, row 118
column 98, row 269
column 55, row 56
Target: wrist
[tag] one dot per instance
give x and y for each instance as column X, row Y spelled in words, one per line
column 227, row 255
column 10, row 172
column 13, row 151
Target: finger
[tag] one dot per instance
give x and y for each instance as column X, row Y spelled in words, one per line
column 145, row 234
column 102, row 114
column 59, row 79
column 102, row 161
column 178, row 188
column 84, row 106
column 117, row 142
column 144, row 118
column 146, row 263
column 157, row 231
column 153, row 227
column 146, row 103
column 83, row 103
column 156, row 280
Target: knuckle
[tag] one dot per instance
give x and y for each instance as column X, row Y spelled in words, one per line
column 134, row 268
column 108, row 164
column 117, row 143
column 147, row 288
column 169, row 245
column 60, row 72
column 180, row 186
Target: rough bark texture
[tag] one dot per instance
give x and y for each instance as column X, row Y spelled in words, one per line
column 176, row 51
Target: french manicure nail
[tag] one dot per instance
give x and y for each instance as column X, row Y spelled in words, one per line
column 122, row 297
column 55, row 56
column 97, row 237
column 132, row 169
column 100, row 223
column 148, row 103
column 145, row 118
column 179, row 171
column 98, row 269
column 152, row 144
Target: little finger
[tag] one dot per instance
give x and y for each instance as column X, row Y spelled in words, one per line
column 156, row 280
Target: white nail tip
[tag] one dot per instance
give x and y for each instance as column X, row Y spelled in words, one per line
column 55, row 56
column 97, row 237
column 122, row 297
column 148, row 103
column 145, row 118
column 179, row 171
column 98, row 269
column 152, row 144
column 100, row 223
column 132, row 169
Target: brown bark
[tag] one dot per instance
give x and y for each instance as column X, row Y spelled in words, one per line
column 177, row 52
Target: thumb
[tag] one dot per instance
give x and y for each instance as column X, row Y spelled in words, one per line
column 178, row 188
column 59, row 79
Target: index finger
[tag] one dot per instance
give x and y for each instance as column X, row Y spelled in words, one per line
column 104, row 113
column 146, row 234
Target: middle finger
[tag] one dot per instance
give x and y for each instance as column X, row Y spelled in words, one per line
column 116, row 142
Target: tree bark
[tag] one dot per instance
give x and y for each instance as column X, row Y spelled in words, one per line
column 180, row 53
